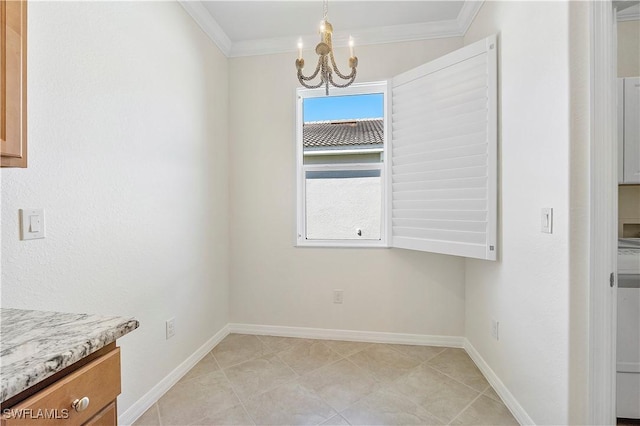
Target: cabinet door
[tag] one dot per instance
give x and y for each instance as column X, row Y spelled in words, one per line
column 632, row 130
column 13, row 106
column 620, row 88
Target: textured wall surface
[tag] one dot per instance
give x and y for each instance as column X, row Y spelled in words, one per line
column 336, row 208
column 527, row 289
column 275, row 283
column 128, row 157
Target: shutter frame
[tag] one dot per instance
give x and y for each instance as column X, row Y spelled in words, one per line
column 444, row 165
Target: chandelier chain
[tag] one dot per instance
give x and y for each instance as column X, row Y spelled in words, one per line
column 325, row 9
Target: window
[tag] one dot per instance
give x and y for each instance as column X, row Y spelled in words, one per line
column 340, row 150
column 436, row 174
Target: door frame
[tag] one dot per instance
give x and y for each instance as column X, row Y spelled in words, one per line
column 603, row 215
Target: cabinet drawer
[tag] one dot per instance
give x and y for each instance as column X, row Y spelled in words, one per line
column 106, row 417
column 99, row 381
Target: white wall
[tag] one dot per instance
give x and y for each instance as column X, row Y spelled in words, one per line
column 128, row 156
column 527, row 289
column 275, row 283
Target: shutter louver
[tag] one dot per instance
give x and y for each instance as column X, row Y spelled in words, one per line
column 444, row 154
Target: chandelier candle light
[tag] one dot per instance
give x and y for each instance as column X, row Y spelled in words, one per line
column 326, row 62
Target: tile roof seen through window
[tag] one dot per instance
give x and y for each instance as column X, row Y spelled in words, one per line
column 338, row 133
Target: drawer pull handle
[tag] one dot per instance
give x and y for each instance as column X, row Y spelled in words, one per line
column 80, row 404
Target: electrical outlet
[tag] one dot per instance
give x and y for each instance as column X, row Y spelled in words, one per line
column 171, row 328
column 495, row 327
column 338, row 296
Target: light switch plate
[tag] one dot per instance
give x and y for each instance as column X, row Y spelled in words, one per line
column 31, row 224
column 546, row 218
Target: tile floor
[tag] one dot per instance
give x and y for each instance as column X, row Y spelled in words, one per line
column 265, row 380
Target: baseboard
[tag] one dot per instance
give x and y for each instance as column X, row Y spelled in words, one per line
column 350, row 335
column 151, row 397
column 507, row 397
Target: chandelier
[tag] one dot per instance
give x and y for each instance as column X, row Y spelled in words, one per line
column 326, row 67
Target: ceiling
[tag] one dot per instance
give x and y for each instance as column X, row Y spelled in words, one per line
column 243, row 28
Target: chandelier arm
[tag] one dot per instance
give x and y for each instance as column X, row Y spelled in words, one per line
column 352, row 78
column 335, row 68
column 312, row 86
column 302, row 79
column 312, row 76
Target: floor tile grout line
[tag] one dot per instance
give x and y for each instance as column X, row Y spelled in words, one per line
column 459, row 381
column 396, row 381
column 296, row 377
column 158, row 412
column 234, row 391
column 340, row 357
column 465, row 408
column 288, row 366
column 488, row 396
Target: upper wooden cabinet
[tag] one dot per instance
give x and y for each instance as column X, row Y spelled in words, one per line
column 13, row 83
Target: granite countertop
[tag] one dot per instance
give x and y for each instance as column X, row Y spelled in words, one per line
column 35, row 344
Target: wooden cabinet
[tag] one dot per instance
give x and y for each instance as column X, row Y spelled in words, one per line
column 13, row 83
column 97, row 383
column 629, row 130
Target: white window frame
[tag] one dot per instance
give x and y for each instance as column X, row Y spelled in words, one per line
column 380, row 87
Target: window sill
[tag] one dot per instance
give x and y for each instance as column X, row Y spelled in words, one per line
column 342, row 244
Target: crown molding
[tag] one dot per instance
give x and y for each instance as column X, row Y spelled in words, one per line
column 382, row 35
column 209, row 25
column 626, row 10
column 467, row 14
column 627, row 15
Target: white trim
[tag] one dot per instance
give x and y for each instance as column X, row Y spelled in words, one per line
column 348, row 335
column 381, row 35
column 367, row 36
column 467, row 14
column 143, row 404
column 628, row 367
column 626, row 12
column 339, row 151
column 211, row 28
column 602, row 216
column 628, row 17
column 507, row 397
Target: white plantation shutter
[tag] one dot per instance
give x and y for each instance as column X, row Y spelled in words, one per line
column 444, row 154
